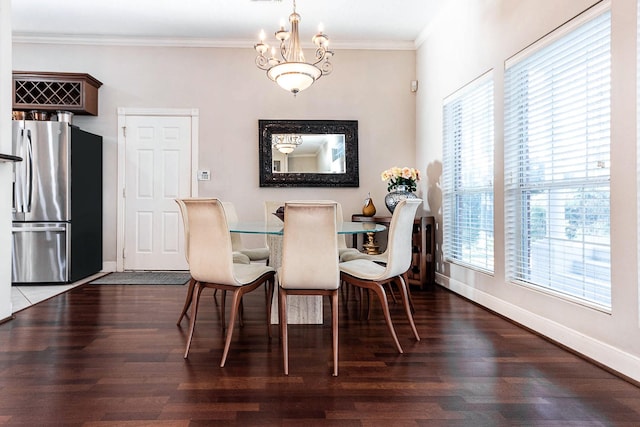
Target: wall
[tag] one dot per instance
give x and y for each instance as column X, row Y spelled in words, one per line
column 5, row 168
column 231, row 94
column 470, row 39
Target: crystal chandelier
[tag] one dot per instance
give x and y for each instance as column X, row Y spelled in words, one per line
column 291, row 71
column 286, row 143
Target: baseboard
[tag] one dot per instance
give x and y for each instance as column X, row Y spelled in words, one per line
column 109, row 266
column 6, row 319
column 612, row 358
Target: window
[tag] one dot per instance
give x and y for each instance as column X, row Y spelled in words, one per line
column 557, row 144
column 468, row 175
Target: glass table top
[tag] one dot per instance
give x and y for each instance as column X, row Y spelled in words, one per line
column 260, row 227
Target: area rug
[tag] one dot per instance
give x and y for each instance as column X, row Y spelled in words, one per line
column 144, row 278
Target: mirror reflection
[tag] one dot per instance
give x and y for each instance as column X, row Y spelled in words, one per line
column 308, row 153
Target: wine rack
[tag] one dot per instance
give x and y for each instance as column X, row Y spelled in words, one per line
column 77, row 93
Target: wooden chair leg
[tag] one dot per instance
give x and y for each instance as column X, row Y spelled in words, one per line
column 405, row 276
column 223, row 310
column 334, row 330
column 188, row 299
column 236, row 298
column 404, row 294
column 194, row 312
column 282, row 312
column 269, row 290
column 382, row 296
column 393, row 294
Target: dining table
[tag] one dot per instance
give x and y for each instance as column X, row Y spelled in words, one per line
column 301, row 309
column 343, row 227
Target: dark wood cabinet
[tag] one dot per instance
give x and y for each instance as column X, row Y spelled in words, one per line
column 44, row 91
column 422, row 271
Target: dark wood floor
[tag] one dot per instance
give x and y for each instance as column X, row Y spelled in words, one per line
column 112, row 355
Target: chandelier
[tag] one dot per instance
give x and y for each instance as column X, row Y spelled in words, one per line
column 291, row 71
column 286, row 143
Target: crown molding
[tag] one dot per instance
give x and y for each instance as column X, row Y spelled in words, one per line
column 98, row 40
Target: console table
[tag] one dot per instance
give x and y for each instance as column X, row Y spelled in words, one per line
column 422, row 270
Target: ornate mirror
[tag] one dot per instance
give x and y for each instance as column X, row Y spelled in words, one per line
column 308, row 153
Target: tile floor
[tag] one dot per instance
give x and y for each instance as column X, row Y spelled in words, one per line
column 23, row 296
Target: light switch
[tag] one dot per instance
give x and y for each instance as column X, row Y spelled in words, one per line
column 204, row 175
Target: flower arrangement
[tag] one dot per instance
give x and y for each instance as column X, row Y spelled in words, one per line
column 401, row 176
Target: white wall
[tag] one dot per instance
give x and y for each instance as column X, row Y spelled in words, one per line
column 473, row 37
column 231, row 94
column 5, row 168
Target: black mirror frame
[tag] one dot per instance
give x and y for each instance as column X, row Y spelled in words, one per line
column 349, row 128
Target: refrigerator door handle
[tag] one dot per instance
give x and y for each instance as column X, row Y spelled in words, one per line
column 29, row 171
column 32, row 229
column 18, row 193
column 24, row 174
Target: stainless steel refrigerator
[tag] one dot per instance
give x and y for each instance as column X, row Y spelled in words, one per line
column 57, row 203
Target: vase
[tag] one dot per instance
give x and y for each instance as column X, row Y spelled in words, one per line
column 369, row 209
column 399, row 192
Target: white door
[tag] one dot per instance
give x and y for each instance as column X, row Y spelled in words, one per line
column 157, row 171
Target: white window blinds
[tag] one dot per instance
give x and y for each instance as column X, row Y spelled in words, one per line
column 467, row 189
column 557, row 138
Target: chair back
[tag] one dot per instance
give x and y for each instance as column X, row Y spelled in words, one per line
column 209, row 241
column 270, row 206
column 342, row 241
column 399, row 241
column 310, row 246
column 185, row 227
column 232, row 216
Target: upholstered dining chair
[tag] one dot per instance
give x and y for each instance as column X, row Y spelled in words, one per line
column 211, row 264
column 237, row 258
column 309, row 264
column 343, row 250
column 380, row 259
column 254, row 254
column 273, row 241
column 373, row 276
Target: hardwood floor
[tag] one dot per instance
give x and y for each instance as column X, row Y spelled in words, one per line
column 112, row 355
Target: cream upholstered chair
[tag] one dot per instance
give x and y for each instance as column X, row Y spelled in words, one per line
column 237, row 258
column 309, row 263
column 343, row 250
column 254, row 254
column 211, row 264
column 379, row 258
column 273, row 241
column 272, row 206
column 370, row 275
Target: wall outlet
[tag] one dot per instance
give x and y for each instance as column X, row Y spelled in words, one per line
column 204, row 175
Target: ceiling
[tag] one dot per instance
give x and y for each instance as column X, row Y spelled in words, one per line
column 234, row 23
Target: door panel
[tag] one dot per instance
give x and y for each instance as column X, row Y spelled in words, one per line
column 158, row 170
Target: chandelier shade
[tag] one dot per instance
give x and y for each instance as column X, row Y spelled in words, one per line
column 294, row 76
column 286, row 143
column 290, row 71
